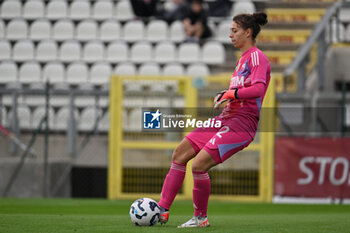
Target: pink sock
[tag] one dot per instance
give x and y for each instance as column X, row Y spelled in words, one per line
column 172, row 184
column 201, row 191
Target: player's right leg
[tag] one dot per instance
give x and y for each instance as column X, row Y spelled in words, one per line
column 174, row 179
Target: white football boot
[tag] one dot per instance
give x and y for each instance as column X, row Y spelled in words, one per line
column 196, row 221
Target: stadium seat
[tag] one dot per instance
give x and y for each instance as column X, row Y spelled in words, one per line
column 63, row 116
column 133, row 31
column 23, row 50
column 23, row 116
column 5, row 50
column 103, row 10
column 165, row 52
column 135, row 120
column 33, row 9
column 93, row 51
column 338, row 32
column 46, row 50
column 240, row 7
column 63, row 30
column 17, row 29
column 87, row 119
column 157, row 30
column 124, row 10
column 125, row 69
column 173, row 69
column 223, row 32
column 189, row 53
column 8, row 71
column 40, row 30
column 177, row 32
column 198, row 70
column 86, row 30
column 3, row 116
column 77, row 73
column 2, row 29
column 57, row 9
column 104, row 123
column 149, row 69
column 141, row 52
column 100, row 73
column 344, row 15
column 80, row 9
column 70, row 51
column 117, row 52
column 11, row 9
column 347, row 34
column 110, row 30
column 39, row 113
column 213, row 53
column 30, row 72
column 54, row 71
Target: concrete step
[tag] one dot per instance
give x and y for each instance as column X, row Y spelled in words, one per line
column 290, row 25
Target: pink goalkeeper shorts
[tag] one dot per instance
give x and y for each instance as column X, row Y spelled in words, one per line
column 221, row 143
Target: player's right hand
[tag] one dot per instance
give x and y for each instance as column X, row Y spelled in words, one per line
column 218, row 99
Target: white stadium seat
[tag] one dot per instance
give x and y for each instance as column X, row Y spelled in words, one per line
column 33, row 9
column 240, row 7
column 213, row 53
column 123, row 10
column 87, row 119
column 63, row 30
column 80, row 9
column 5, row 50
column 157, row 30
column 100, row 73
column 104, row 123
column 173, row 69
column 117, row 52
column 77, row 73
column 2, row 29
column 127, row 68
column 141, row 52
column 70, row 51
column 347, row 33
column 39, row 113
column 8, row 71
column 149, row 69
column 11, row 9
column 134, row 31
column 40, row 30
column 165, row 52
column 54, row 71
column 189, row 53
column 198, row 70
column 177, row 32
column 223, row 32
column 23, row 50
column 30, row 72
column 3, row 116
column 17, row 29
column 46, row 50
column 135, row 120
column 110, row 30
column 57, row 9
column 63, row 117
column 23, row 116
column 103, row 9
column 93, row 51
column 86, row 30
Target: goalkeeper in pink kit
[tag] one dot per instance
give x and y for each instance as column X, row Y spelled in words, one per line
column 239, row 122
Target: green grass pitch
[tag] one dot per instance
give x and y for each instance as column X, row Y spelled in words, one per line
column 100, row 216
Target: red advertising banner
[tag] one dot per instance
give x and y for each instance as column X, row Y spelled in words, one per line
column 312, row 167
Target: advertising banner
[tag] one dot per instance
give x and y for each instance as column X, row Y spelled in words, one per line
column 312, row 167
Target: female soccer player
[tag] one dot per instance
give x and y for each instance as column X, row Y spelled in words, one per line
column 239, row 120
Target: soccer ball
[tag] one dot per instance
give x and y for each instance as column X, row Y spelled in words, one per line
column 144, row 212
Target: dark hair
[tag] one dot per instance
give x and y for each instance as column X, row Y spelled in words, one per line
column 253, row 21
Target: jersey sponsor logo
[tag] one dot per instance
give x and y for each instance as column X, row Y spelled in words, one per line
column 237, row 81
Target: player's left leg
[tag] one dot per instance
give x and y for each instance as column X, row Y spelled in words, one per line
column 201, row 190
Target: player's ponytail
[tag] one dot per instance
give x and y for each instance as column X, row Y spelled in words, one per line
column 253, row 21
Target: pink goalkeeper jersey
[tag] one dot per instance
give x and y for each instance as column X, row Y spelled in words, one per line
column 253, row 67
